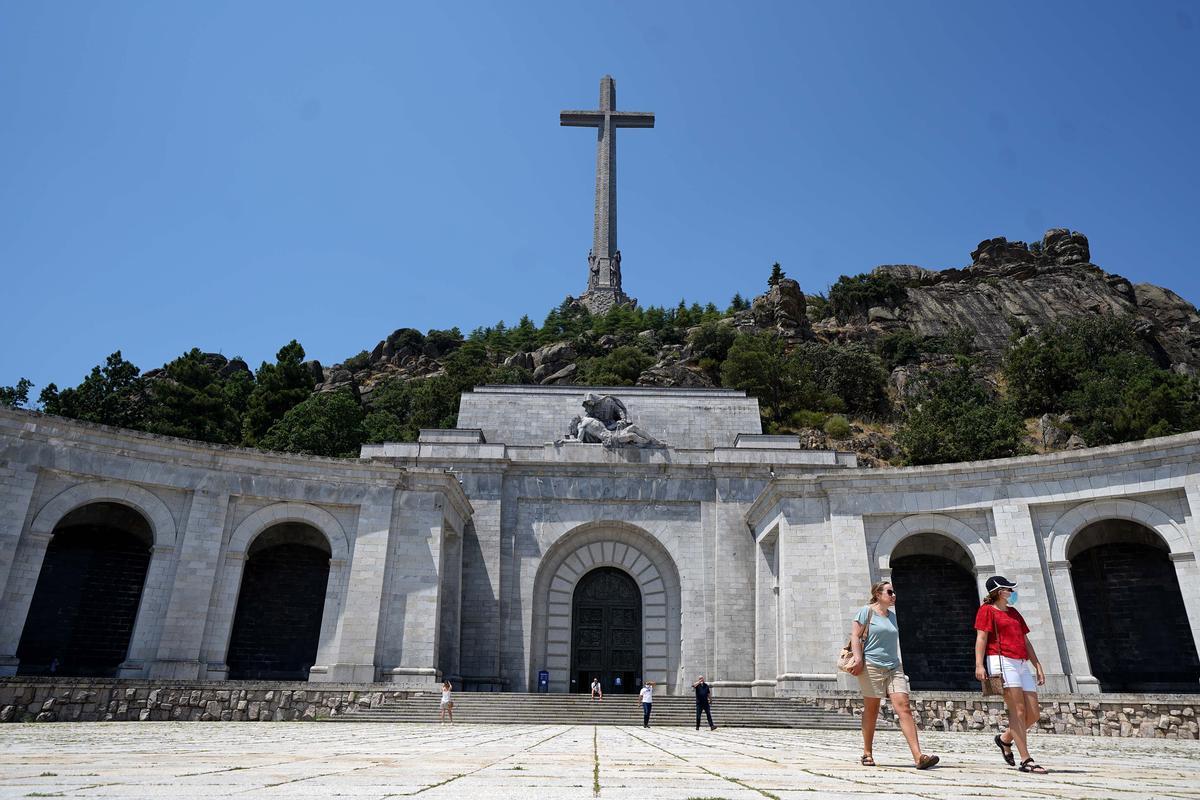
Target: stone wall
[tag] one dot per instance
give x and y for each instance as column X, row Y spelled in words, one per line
column 83, row 700
column 1125, row 715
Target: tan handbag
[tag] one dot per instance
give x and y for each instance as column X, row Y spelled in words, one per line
column 847, row 655
column 993, row 685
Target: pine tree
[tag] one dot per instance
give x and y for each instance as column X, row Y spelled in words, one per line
column 278, row 388
column 776, row 274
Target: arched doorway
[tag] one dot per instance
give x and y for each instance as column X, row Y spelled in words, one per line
column 86, row 599
column 277, row 625
column 936, row 602
column 606, row 631
column 1131, row 610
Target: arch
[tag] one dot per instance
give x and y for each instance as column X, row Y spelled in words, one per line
column 86, row 601
column 229, row 580
column 1136, row 630
column 1066, row 527
column 957, row 530
column 162, row 523
column 606, row 631
column 277, row 513
column 606, row 544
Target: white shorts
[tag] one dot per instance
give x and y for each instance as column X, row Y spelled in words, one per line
column 1017, row 672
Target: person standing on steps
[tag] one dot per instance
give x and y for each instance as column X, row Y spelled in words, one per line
column 447, row 703
column 597, row 692
column 1002, row 636
column 704, row 695
column 646, row 695
column 875, row 642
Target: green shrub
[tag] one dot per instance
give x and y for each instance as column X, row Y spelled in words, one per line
column 955, row 418
column 808, row 419
column 358, row 362
column 854, row 295
column 837, row 427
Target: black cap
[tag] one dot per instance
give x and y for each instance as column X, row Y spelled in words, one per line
column 998, row 582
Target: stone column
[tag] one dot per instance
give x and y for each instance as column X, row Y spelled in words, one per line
column 16, row 494
column 766, row 614
column 152, row 610
column 180, row 646
column 480, row 632
column 1018, row 557
column 414, row 590
column 450, row 607
column 1187, row 572
column 733, row 670
column 18, row 595
column 359, row 624
column 1078, row 665
column 812, row 599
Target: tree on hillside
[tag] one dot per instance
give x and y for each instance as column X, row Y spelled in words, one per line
column 621, row 367
column 114, row 394
column 326, row 424
column 777, row 274
column 277, row 388
column 738, row 303
column 758, row 364
column 955, row 418
column 189, row 400
column 16, row 396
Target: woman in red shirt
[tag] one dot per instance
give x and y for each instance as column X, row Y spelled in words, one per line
column 1002, row 636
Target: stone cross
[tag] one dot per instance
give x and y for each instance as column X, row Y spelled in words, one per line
column 604, row 261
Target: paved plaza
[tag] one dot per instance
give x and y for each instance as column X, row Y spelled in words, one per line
column 362, row 760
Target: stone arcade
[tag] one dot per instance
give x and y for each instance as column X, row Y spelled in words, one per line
column 629, row 534
column 497, row 549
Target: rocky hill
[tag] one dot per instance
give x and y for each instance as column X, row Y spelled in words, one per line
column 1008, row 289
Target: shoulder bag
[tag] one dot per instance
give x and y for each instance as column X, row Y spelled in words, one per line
column 846, row 657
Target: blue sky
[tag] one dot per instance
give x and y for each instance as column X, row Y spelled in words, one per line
column 233, row 175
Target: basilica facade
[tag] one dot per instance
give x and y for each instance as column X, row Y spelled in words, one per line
column 682, row 542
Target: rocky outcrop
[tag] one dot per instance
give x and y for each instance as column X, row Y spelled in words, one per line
column 782, row 308
column 1014, row 285
column 674, row 373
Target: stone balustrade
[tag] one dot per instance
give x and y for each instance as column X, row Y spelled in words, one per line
column 1154, row 716
column 92, row 700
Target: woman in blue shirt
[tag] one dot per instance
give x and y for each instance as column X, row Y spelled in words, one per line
column 877, row 665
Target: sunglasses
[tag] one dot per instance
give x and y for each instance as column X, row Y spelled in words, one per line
column 890, row 593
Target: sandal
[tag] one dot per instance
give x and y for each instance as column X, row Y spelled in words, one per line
column 1029, row 765
column 1006, row 749
column 925, row 762
column 867, row 761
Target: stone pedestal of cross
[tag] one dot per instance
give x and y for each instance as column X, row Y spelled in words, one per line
column 604, row 261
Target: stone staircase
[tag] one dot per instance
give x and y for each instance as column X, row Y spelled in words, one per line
column 573, row 709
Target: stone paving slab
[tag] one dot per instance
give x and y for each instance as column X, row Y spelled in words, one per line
column 365, row 761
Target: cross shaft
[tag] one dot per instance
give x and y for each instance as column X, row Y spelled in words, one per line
column 605, row 259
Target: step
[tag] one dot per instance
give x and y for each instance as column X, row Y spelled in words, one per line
column 559, row 709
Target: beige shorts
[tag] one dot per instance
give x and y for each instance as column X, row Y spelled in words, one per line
column 880, row 682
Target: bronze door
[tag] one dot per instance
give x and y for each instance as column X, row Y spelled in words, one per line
column 606, row 632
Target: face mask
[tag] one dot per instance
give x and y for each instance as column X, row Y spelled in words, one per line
column 1012, row 599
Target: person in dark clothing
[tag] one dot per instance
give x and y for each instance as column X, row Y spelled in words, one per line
column 703, row 702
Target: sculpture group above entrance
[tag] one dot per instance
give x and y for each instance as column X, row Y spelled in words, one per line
column 605, row 420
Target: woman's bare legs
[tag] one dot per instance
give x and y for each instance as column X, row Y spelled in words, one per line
column 869, row 718
column 907, row 725
column 1014, row 701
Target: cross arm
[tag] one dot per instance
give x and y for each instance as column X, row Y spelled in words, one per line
column 632, row 119
column 581, row 119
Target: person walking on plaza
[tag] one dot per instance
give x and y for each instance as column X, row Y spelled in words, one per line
column 447, row 703
column 875, row 642
column 597, row 692
column 1001, row 635
column 646, row 695
column 703, row 702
